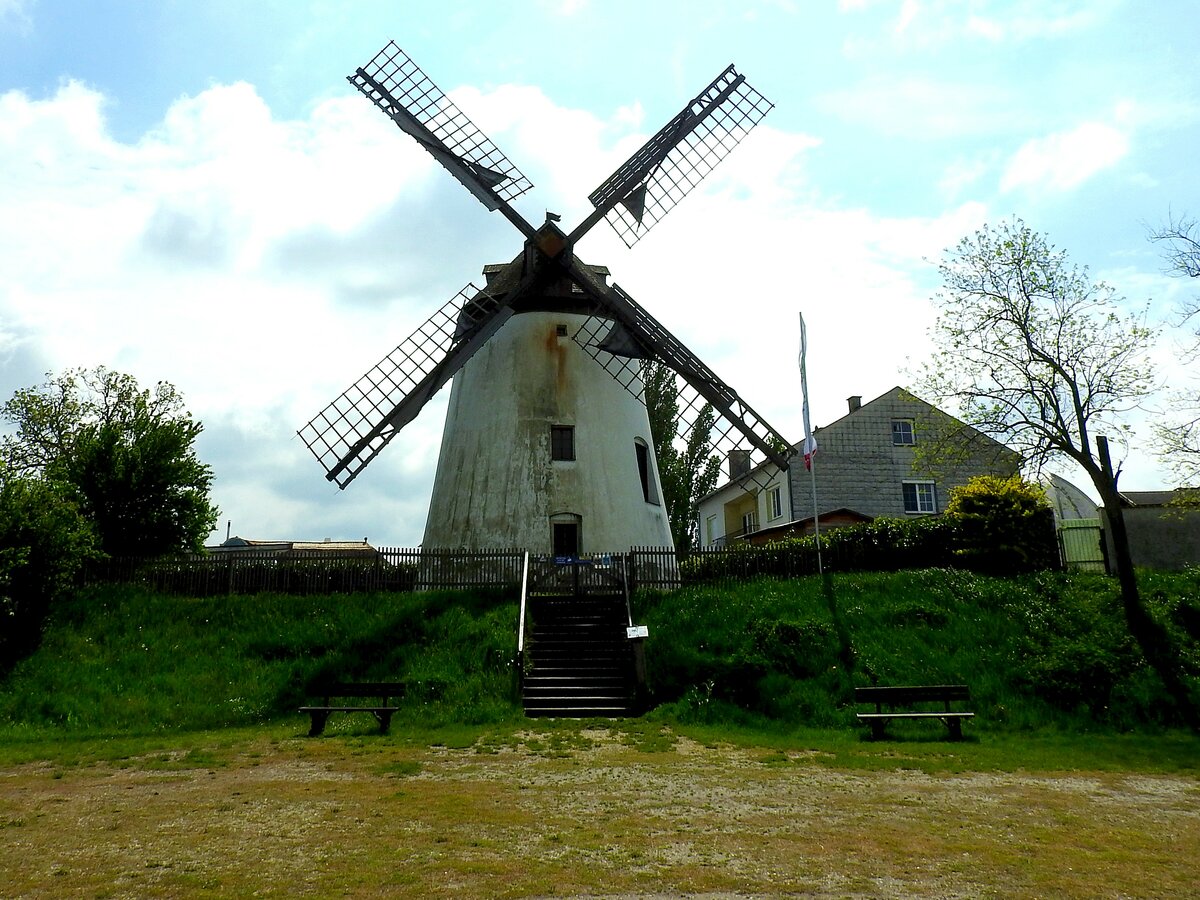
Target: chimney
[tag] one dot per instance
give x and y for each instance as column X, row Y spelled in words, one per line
column 739, row 463
column 855, row 403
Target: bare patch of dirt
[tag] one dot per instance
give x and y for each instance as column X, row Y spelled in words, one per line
column 585, row 814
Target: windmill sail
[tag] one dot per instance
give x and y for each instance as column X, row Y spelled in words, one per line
column 351, row 430
column 620, row 322
column 649, row 184
column 396, row 84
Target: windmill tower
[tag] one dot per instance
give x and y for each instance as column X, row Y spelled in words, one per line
column 547, row 443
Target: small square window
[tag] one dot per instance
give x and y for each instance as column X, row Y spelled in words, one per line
column 560, row 330
column 902, row 432
column 919, row 497
column 562, row 442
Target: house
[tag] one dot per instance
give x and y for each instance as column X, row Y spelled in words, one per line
column 868, row 464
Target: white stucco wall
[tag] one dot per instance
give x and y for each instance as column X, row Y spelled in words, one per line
column 496, row 486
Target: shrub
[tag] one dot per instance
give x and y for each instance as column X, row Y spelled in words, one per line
column 1002, row 525
column 43, row 543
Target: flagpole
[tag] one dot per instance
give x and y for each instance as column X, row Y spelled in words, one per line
column 812, row 471
column 810, row 444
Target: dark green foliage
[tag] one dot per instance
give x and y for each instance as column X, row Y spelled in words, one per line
column 126, row 454
column 1042, row 650
column 687, row 472
column 120, row 658
column 978, row 542
column 43, row 543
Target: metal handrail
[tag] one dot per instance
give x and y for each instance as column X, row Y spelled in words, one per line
column 625, row 585
column 524, row 596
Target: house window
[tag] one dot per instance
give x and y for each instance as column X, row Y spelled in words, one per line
column 562, row 441
column 902, row 432
column 645, row 471
column 919, row 497
column 560, row 330
column 710, row 530
column 750, row 522
column 775, row 502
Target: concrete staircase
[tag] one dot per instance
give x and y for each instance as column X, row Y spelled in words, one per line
column 581, row 662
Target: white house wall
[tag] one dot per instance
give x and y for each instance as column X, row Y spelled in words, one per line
column 722, row 506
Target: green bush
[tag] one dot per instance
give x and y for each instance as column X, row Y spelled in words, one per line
column 44, row 541
column 1002, row 526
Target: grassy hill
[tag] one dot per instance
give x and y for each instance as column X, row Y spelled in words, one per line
column 1043, row 651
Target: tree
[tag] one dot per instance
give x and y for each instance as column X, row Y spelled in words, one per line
column 1038, row 356
column 44, row 540
column 1179, row 438
column 686, row 473
column 124, row 455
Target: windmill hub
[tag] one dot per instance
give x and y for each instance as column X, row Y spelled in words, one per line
column 551, row 240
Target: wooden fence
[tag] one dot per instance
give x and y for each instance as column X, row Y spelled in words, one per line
column 316, row 572
column 394, row 569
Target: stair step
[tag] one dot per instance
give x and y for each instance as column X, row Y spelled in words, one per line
column 600, row 712
column 581, row 662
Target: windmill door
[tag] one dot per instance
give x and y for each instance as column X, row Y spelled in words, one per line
column 565, row 538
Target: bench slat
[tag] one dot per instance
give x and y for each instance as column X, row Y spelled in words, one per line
column 912, row 693
column 383, row 711
column 944, row 714
column 893, row 696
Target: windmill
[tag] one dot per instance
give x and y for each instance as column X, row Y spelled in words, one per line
column 547, row 442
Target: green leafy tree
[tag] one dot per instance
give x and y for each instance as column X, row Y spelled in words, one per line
column 1037, row 355
column 125, row 455
column 44, row 540
column 689, row 472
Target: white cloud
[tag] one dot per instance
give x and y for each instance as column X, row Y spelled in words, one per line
column 1067, row 159
column 925, row 108
column 17, row 15
column 1033, row 19
column 262, row 264
column 921, row 25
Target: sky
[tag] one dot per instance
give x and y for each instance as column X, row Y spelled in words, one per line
column 192, row 192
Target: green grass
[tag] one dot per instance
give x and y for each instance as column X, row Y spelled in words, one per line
column 129, row 661
column 1045, row 653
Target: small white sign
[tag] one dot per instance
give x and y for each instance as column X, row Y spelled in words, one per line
column 637, row 631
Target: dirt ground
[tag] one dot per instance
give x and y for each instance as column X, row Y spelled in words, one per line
column 585, row 815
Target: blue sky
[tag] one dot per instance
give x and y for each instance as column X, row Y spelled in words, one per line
column 191, row 191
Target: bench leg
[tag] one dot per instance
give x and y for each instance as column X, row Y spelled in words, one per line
column 385, row 721
column 318, row 722
column 955, row 726
column 877, row 728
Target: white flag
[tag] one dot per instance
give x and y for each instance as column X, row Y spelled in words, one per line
column 810, row 442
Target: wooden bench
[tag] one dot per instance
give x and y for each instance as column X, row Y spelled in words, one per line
column 383, row 690
column 899, row 702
